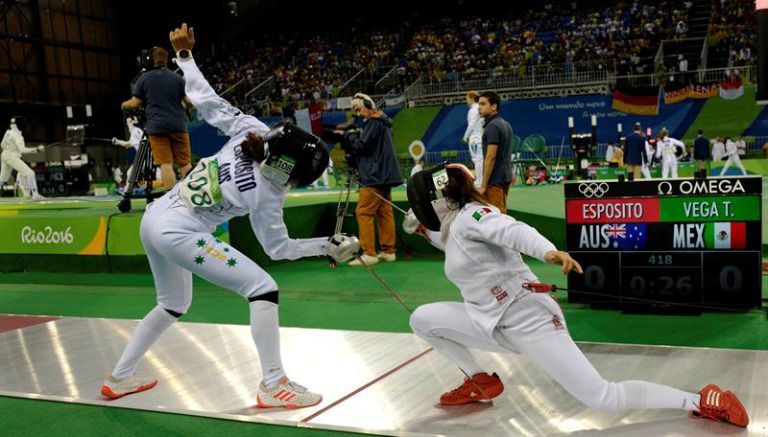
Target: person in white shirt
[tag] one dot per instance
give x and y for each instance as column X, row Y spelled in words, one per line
column 667, row 149
column 718, row 149
column 14, row 147
column 501, row 313
column 732, row 152
column 473, row 135
column 741, row 146
column 417, row 167
column 324, row 176
column 251, row 174
column 609, row 153
column 134, row 140
column 645, row 168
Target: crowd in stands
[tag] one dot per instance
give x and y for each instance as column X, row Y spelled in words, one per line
column 562, row 37
column 733, row 31
column 305, row 68
column 570, row 35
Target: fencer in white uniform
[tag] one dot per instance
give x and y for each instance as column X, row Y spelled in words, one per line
column 134, row 140
column 251, row 174
column 732, row 152
column 14, row 146
column 666, row 149
column 483, row 258
column 645, row 168
column 473, row 135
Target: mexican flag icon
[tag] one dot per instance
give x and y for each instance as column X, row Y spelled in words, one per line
column 725, row 235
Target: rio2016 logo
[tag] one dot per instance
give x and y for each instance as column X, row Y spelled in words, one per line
column 46, row 236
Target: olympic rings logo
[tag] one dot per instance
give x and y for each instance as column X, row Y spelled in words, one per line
column 593, row 189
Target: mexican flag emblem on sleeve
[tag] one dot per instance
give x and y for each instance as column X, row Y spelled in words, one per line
column 480, row 213
column 725, row 235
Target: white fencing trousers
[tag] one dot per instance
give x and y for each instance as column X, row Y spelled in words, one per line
column 178, row 244
column 733, row 160
column 26, row 177
column 476, row 153
column 535, row 327
column 669, row 164
column 645, row 171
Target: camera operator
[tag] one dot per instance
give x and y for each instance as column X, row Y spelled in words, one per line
column 161, row 91
column 374, row 153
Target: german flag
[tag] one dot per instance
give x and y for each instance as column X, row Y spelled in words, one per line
column 636, row 100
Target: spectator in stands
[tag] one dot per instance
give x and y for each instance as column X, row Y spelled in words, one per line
column 161, row 92
column 701, row 150
column 497, row 148
column 683, row 68
column 379, row 172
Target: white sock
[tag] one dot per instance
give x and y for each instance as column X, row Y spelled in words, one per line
column 145, row 335
column 646, row 395
column 265, row 330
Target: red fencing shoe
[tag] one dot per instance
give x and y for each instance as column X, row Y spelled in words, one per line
column 721, row 405
column 480, row 387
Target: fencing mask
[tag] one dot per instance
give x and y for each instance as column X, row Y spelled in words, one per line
column 426, row 194
column 295, row 156
column 19, row 121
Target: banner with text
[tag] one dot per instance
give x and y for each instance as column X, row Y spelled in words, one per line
column 25, row 234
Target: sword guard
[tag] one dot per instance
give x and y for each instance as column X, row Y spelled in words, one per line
column 540, row 287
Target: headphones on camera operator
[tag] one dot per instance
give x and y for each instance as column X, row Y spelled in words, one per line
column 146, row 61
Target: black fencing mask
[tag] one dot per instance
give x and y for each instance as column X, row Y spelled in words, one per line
column 295, row 156
column 426, row 196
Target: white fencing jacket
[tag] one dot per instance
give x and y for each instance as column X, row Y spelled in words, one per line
column 13, row 143
column 474, row 132
column 244, row 190
column 483, row 259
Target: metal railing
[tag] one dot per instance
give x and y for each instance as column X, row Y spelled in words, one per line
column 747, row 74
column 506, row 81
column 387, row 82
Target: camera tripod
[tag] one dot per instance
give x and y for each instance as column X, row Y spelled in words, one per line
column 142, row 171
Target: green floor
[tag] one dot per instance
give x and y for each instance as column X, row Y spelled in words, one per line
column 312, row 296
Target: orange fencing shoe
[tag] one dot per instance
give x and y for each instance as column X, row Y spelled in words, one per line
column 481, row 386
column 117, row 388
column 286, row 394
column 721, row 405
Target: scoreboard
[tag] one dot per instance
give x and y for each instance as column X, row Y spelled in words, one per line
column 684, row 241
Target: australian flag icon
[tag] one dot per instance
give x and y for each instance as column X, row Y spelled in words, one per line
column 627, row 236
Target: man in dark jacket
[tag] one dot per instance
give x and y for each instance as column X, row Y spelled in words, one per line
column 379, row 172
column 635, row 155
column 701, row 149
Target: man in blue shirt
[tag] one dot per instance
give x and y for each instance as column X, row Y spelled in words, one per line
column 701, row 149
column 635, row 155
column 497, row 141
column 161, row 91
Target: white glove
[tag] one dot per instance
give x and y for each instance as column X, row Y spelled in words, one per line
column 410, row 222
column 41, row 148
column 114, row 141
column 342, row 247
